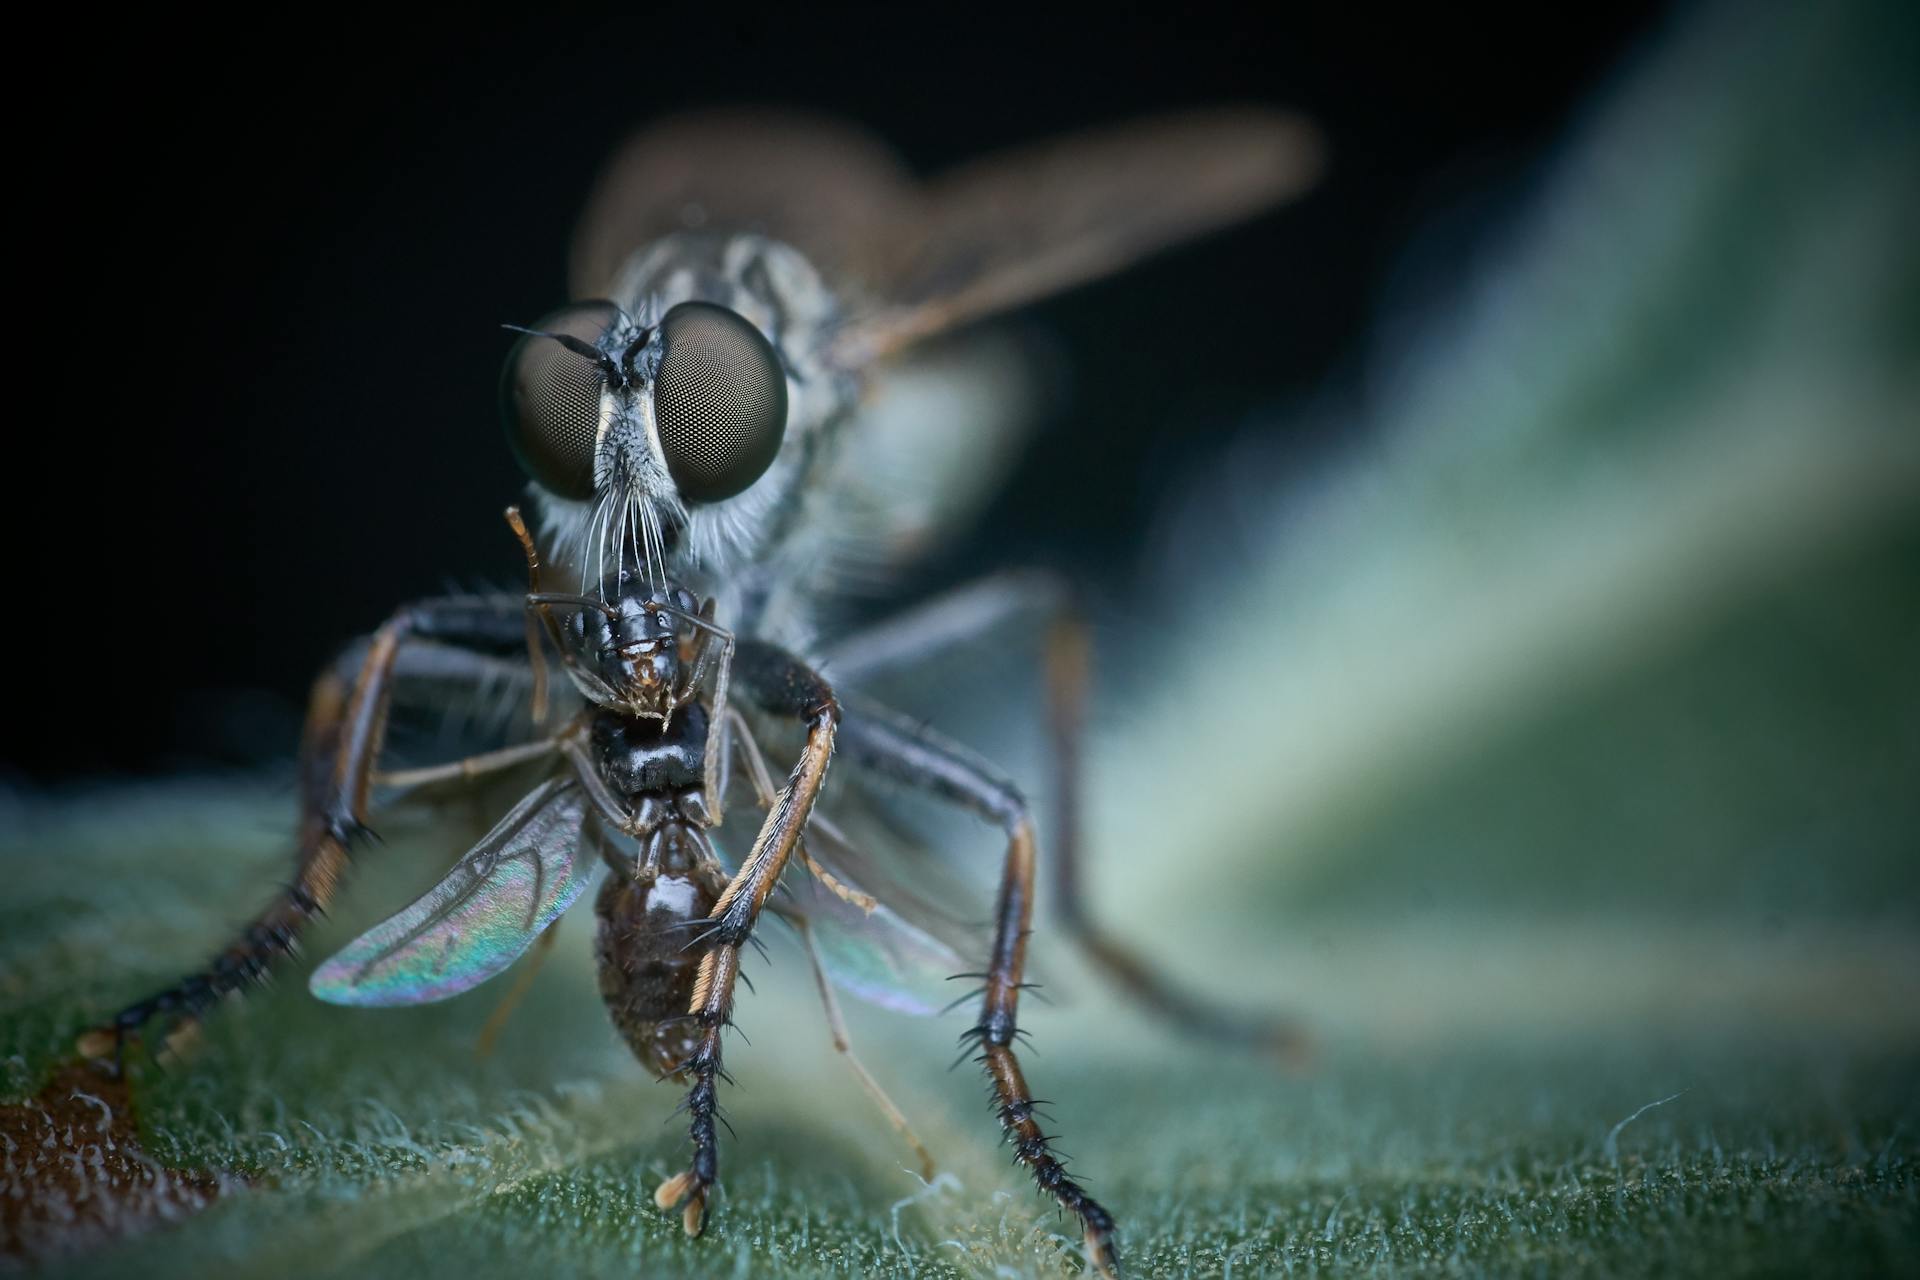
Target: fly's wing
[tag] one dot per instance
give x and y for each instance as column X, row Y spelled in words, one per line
column 479, row 918
column 1006, row 230
column 830, row 190
column 914, row 259
column 911, row 260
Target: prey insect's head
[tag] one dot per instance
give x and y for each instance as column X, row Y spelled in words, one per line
column 640, row 420
column 643, row 646
column 640, row 647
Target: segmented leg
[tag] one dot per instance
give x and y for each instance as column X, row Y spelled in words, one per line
column 843, row 1045
column 897, row 748
column 762, row 782
column 346, row 719
column 779, row 684
column 1026, row 601
column 1016, row 598
column 467, row 770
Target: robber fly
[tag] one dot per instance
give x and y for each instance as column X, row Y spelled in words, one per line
column 697, row 434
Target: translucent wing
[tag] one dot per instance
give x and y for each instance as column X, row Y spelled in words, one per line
column 910, row 260
column 915, row 259
column 479, row 918
column 1023, row 224
column 900, row 954
column 830, row 190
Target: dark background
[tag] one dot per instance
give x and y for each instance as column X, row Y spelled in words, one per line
column 276, row 270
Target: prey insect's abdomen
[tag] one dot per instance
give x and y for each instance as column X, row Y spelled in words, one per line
column 647, row 968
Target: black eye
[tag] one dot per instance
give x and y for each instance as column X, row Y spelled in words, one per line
column 550, row 399
column 719, row 401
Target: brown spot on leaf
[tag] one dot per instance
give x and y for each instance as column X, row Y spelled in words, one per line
column 73, row 1173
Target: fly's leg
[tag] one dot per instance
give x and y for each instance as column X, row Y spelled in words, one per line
column 836, row 1023
column 779, row 684
column 1041, row 602
column 897, row 748
column 1069, row 651
column 1020, row 597
column 762, row 782
column 466, row 770
column 346, row 720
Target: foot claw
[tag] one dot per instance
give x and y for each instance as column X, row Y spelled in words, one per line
column 693, row 1218
column 671, row 1192
column 684, row 1187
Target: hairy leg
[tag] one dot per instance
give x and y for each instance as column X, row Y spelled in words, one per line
column 899, row 749
column 1038, row 603
column 782, row 685
column 762, row 782
column 346, row 720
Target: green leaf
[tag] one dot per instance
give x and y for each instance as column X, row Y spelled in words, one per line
column 1552, row 756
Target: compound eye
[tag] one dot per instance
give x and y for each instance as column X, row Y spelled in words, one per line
column 719, row 401
column 550, row 399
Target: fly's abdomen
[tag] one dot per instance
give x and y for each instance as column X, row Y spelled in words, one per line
column 647, row 966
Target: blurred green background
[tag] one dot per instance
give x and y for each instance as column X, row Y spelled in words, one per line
column 1550, row 750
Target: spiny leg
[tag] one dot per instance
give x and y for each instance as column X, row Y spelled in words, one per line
column 779, row 684
column 1027, row 601
column 909, row 753
column 762, row 782
column 346, row 720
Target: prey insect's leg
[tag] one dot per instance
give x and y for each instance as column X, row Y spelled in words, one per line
column 346, row 718
column 897, row 748
column 843, row 1045
column 497, row 1020
column 1038, row 601
column 836, row 1024
column 780, row 684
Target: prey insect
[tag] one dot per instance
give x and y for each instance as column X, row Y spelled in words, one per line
column 711, row 458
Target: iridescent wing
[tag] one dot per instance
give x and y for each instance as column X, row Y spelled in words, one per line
column 901, row 953
column 479, row 918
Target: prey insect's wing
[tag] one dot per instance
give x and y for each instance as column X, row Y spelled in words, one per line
column 479, row 918
column 901, row 952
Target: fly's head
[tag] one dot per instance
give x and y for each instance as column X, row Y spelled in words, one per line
column 657, row 433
